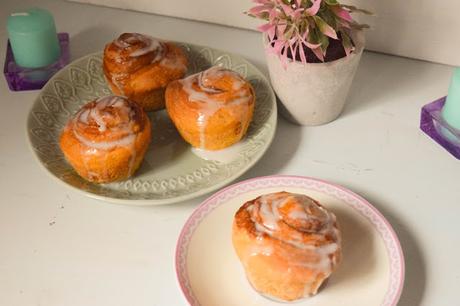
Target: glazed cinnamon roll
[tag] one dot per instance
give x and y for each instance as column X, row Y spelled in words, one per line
column 139, row 67
column 212, row 109
column 107, row 139
column 289, row 244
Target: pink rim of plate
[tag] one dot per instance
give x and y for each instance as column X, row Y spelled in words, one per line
column 368, row 211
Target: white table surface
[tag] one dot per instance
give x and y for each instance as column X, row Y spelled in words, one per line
column 58, row 247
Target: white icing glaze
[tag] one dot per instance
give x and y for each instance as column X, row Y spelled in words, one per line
column 107, row 145
column 173, row 63
column 269, row 213
column 84, row 116
column 150, row 45
column 298, row 214
column 208, row 97
column 117, row 80
column 225, row 156
column 100, row 114
column 266, row 214
column 257, row 249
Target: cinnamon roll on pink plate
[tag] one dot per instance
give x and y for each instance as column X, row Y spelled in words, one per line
column 288, row 243
column 280, row 238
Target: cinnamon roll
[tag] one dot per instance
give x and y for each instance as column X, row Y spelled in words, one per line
column 139, row 67
column 289, row 244
column 212, row 109
column 107, row 139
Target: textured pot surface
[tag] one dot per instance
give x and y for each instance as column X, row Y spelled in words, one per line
column 314, row 93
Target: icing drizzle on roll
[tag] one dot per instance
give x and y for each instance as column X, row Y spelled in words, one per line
column 108, row 123
column 299, row 222
column 139, row 44
column 134, row 46
column 214, row 89
column 134, row 51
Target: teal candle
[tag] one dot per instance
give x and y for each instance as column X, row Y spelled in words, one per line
column 33, row 38
column 451, row 109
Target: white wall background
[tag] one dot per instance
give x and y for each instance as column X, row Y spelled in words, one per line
column 422, row 29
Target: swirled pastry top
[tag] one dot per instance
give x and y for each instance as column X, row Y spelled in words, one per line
column 107, row 123
column 132, row 54
column 292, row 226
column 217, row 87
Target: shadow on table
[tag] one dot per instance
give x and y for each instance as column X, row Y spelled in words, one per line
column 415, row 276
column 356, row 241
column 380, row 77
column 281, row 151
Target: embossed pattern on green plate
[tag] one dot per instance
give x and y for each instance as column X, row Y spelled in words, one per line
column 170, row 172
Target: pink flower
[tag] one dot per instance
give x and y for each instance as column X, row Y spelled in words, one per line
column 342, row 13
column 292, row 25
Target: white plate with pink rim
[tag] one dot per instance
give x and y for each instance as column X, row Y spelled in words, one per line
column 209, row 272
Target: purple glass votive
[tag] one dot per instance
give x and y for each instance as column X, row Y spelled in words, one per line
column 20, row 78
column 438, row 129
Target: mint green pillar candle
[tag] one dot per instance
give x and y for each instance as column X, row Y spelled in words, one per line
column 33, row 38
column 451, row 109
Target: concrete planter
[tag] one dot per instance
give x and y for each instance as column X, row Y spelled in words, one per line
column 314, row 93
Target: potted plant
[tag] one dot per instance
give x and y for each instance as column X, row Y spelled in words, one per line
column 313, row 48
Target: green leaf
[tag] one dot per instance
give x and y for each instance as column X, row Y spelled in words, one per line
column 332, row 2
column 313, row 37
column 306, row 3
column 289, row 31
column 324, row 41
column 325, row 28
column 359, row 26
column 354, row 9
column 346, row 42
column 304, row 25
column 263, row 15
column 330, row 18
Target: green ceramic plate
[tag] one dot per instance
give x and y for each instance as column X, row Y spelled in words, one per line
column 171, row 171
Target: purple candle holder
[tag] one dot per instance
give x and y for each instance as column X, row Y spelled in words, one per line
column 438, row 129
column 20, row 78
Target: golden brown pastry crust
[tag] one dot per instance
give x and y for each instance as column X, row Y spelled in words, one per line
column 213, row 109
column 139, row 67
column 288, row 244
column 107, row 139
